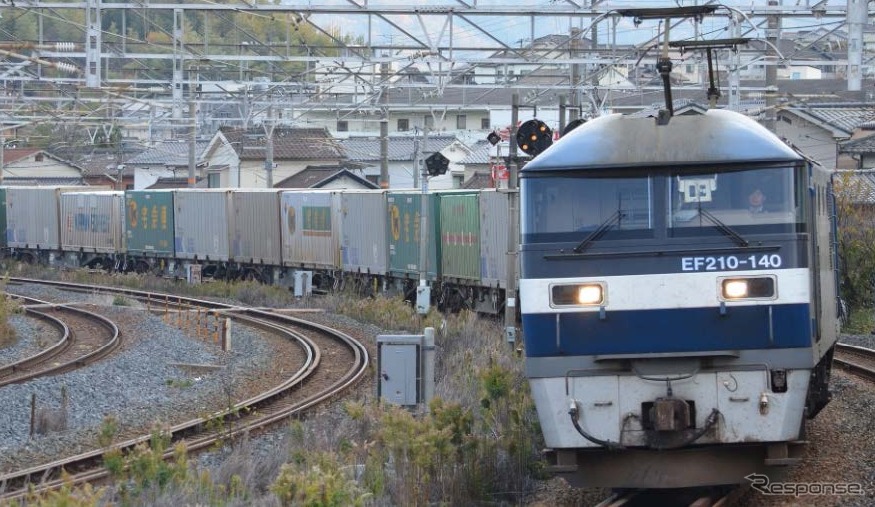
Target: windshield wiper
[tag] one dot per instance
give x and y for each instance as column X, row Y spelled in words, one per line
column 725, row 229
column 600, row 230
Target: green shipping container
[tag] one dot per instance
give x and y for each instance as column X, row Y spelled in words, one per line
column 3, row 240
column 149, row 223
column 460, row 235
column 404, row 211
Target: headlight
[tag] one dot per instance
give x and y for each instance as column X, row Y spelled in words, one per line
column 582, row 294
column 760, row 287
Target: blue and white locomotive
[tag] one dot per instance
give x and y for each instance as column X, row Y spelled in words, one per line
column 678, row 299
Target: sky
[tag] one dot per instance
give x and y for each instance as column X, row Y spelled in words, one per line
column 516, row 31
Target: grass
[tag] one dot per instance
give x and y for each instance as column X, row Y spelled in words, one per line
column 8, row 307
column 478, row 441
column 859, row 321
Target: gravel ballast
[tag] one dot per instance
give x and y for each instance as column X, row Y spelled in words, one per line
column 144, row 382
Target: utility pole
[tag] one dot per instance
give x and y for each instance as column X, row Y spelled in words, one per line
column 510, row 307
column 773, row 32
column 423, row 292
column 268, row 158
column 384, row 125
column 2, row 153
column 857, row 12
column 192, row 145
column 575, row 78
column 416, row 169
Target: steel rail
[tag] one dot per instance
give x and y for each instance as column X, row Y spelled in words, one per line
column 67, row 341
column 862, row 354
column 190, row 432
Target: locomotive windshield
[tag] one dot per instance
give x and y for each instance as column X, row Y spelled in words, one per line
column 664, row 203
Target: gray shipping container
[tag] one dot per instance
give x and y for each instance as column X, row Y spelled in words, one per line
column 364, row 244
column 494, row 216
column 255, row 227
column 92, row 221
column 33, row 216
column 311, row 228
column 201, row 224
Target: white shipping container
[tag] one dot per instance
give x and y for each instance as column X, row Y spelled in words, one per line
column 92, row 221
column 201, row 224
column 255, row 227
column 33, row 216
column 364, row 244
column 311, row 228
column 494, row 217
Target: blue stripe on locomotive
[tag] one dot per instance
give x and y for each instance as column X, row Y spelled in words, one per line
column 674, row 330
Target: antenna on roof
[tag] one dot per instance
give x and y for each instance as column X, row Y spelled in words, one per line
column 708, row 45
column 663, row 64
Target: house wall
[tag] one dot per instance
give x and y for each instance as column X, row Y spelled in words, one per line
column 224, row 155
column 45, row 168
column 814, row 141
column 144, row 177
column 369, row 122
column 253, row 175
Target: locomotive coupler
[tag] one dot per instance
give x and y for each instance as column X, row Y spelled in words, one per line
column 670, row 414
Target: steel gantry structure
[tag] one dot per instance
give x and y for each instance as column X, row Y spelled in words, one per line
column 358, row 50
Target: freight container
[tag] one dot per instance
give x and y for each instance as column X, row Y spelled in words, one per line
column 149, row 223
column 404, row 212
column 364, row 244
column 311, row 221
column 92, row 222
column 459, row 233
column 494, row 218
column 255, row 227
column 33, row 216
column 201, row 224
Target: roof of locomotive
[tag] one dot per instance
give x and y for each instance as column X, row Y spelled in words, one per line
column 718, row 136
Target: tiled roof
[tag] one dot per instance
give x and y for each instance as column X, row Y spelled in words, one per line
column 367, row 149
column 861, row 145
column 42, row 182
column 170, row 153
column 15, row 154
column 319, row 176
column 845, row 117
column 858, row 187
column 288, row 143
column 176, row 182
column 479, row 179
column 479, row 154
column 98, row 161
column 680, row 106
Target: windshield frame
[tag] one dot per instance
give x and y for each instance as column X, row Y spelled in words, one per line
column 660, row 186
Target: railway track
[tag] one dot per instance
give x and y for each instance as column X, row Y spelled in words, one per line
column 85, row 337
column 857, row 360
column 271, row 406
column 684, row 497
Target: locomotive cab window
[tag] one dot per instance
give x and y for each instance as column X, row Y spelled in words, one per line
column 570, row 208
column 745, row 199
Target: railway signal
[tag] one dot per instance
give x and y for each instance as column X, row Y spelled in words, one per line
column 534, row 136
column 437, row 164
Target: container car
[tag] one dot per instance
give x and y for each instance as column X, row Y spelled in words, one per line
column 92, row 227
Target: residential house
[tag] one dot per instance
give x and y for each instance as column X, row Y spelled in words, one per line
column 102, row 166
column 327, row 177
column 860, row 149
column 817, row 129
column 169, row 161
column 35, row 166
column 365, row 152
column 294, row 149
